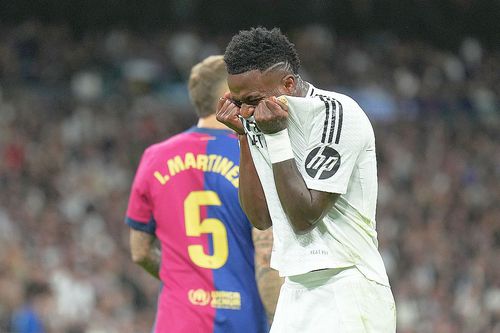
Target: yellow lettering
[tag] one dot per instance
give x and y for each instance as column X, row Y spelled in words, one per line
column 212, row 160
column 189, row 161
column 163, row 179
column 225, row 300
column 232, row 173
column 175, row 165
column 224, row 166
column 202, row 162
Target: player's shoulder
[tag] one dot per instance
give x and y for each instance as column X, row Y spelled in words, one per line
column 170, row 145
column 190, row 139
column 345, row 100
column 344, row 108
column 166, row 143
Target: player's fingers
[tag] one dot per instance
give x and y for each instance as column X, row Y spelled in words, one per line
column 228, row 115
column 261, row 111
column 225, row 110
column 221, row 107
column 274, row 107
column 232, row 111
column 262, row 114
column 220, row 103
column 247, row 110
column 228, row 106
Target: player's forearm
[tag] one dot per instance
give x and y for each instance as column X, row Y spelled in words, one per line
column 250, row 192
column 144, row 252
column 268, row 280
column 269, row 283
column 296, row 199
column 302, row 206
column 150, row 263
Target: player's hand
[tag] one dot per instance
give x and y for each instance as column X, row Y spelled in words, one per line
column 246, row 110
column 228, row 113
column 271, row 115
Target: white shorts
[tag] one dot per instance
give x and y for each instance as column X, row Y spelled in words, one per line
column 334, row 300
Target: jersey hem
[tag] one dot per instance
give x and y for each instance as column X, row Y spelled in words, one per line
column 290, row 271
column 307, row 269
column 320, row 186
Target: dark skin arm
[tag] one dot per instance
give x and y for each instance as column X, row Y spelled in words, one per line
column 250, row 192
column 144, row 253
column 304, row 207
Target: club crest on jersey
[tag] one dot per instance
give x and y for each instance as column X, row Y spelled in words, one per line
column 199, row 297
column 322, row 162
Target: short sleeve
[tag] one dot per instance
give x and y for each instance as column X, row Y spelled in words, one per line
column 336, row 138
column 139, row 214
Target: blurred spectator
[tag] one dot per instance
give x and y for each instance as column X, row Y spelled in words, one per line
column 75, row 113
column 31, row 317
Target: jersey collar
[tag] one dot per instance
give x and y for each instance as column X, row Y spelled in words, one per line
column 310, row 90
column 210, row 131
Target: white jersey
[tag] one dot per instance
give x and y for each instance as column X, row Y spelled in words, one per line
column 334, row 148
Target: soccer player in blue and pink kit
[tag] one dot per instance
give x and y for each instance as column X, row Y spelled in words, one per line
column 185, row 194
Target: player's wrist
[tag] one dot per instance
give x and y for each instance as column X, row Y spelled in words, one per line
column 279, row 146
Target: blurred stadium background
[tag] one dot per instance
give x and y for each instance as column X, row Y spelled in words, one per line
column 85, row 86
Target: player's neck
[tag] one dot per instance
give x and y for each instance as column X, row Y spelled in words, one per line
column 302, row 87
column 211, row 122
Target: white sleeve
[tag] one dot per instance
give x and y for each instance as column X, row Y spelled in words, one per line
column 335, row 140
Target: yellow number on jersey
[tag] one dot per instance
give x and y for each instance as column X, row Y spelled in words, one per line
column 195, row 227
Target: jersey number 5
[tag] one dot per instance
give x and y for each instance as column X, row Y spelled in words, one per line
column 195, row 227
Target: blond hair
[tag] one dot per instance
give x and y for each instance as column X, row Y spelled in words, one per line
column 205, row 82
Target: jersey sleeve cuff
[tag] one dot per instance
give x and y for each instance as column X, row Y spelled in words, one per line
column 147, row 227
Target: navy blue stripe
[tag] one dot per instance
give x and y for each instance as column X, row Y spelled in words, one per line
column 149, row 227
column 337, row 139
column 312, row 92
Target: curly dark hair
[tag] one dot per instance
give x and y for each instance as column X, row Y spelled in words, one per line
column 260, row 48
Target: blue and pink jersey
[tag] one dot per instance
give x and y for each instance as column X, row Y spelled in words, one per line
column 186, row 193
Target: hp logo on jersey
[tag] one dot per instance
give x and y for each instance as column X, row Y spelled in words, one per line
column 322, row 162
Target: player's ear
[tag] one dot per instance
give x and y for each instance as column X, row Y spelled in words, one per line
column 289, row 83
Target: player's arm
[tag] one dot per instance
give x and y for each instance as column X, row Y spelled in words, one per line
column 140, row 219
column 268, row 279
column 303, row 206
column 144, row 252
column 250, row 192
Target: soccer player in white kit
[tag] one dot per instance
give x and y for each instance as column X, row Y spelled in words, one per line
column 308, row 169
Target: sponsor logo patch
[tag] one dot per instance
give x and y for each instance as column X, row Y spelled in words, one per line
column 322, row 162
column 217, row 299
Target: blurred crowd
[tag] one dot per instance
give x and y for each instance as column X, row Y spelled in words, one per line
column 76, row 113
